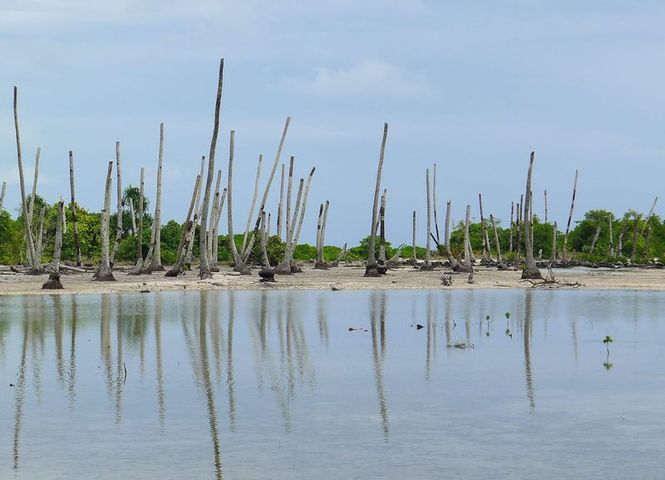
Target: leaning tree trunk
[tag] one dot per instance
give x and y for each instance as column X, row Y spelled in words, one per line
column 280, row 211
column 251, row 209
column 72, row 207
column 371, row 269
column 104, row 272
column 139, row 232
column 454, row 264
column 428, row 243
column 530, row 268
column 302, row 209
column 179, row 265
column 237, row 260
column 646, row 223
column 119, row 227
column 215, row 233
column 53, row 282
column 35, row 265
column 322, row 240
column 496, row 239
column 189, row 256
column 2, row 195
column 204, row 267
column 564, row 254
column 595, row 239
column 288, row 196
column 156, row 259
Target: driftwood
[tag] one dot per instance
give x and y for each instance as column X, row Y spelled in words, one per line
column 550, row 281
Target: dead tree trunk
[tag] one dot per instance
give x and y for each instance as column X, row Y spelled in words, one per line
column 428, row 244
column 554, row 233
column 496, row 240
column 139, row 232
column 132, row 215
column 530, row 268
column 487, row 249
column 320, row 261
column 611, row 245
column 414, row 258
column 237, row 260
column 546, row 206
column 189, row 256
column 302, row 208
column 214, row 222
column 454, row 264
column 284, row 267
column 520, row 206
column 156, row 258
column 251, row 209
column 466, row 266
column 280, row 211
column 264, row 242
column 633, row 254
column 288, row 196
column 215, row 235
column 35, row 265
column 512, row 226
column 2, row 195
column 646, row 223
column 53, row 282
column 382, row 233
column 564, row 254
column 204, row 266
column 31, row 206
column 186, row 236
column 595, row 239
column 104, row 272
column 39, row 248
column 119, row 227
column 319, row 224
column 371, row 269
column 72, row 207
column 436, row 222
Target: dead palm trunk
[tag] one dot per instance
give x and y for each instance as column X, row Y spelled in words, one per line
column 237, row 260
column 496, row 239
column 414, row 258
column 139, row 232
column 454, row 264
column 189, row 256
column 436, row 222
column 611, row 246
column 186, row 236
column 40, row 237
column 512, row 226
column 520, row 205
column 215, row 234
column 530, row 269
column 428, row 243
column 554, row 233
column 564, row 255
column 72, row 207
column 301, row 208
column 545, row 205
column 280, row 211
column 2, row 195
column 284, row 267
column 288, row 196
column 487, row 249
column 104, row 272
column 633, row 254
column 382, row 232
column 53, row 282
column 595, row 239
column 35, row 265
column 644, row 225
column 204, row 266
column 467, row 267
column 323, row 232
column 31, row 206
column 212, row 228
column 319, row 223
column 251, row 209
column 119, row 227
column 156, row 258
column 264, row 241
column 371, row 268
column 132, row 215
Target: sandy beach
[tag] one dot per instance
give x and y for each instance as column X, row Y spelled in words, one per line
column 343, row 278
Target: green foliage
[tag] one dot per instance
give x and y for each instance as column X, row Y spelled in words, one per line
column 11, row 239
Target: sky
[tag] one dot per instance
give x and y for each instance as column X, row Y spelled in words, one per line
column 472, row 86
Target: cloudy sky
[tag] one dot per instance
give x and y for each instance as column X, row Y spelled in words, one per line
column 473, row 86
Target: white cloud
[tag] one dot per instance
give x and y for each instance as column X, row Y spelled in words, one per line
column 370, row 77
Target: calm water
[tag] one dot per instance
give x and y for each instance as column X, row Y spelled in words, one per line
column 272, row 384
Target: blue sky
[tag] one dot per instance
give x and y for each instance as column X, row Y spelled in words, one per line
column 473, row 86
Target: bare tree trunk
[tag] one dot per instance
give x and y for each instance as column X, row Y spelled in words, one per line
column 512, row 226
column 303, row 209
column 31, row 206
column 564, row 255
column 189, row 256
column 2, row 195
column 382, row 233
column 595, row 239
column 204, row 267
column 323, row 232
column 280, row 211
column 299, row 214
column 620, row 245
column 53, row 282
column 264, row 241
column 186, row 236
column 139, row 233
column 132, row 215
column 119, row 227
column 633, row 254
column 653, row 207
column 156, row 258
column 319, row 253
column 285, row 266
column 530, row 269
column 611, row 246
column 545, row 205
column 371, row 268
column 487, row 249
column 341, row 255
column 72, row 207
column 212, row 228
column 467, row 267
column 519, row 229
column 414, row 258
column 215, row 234
column 454, row 264
column 554, row 233
column 436, row 222
column 237, row 260
column 496, row 240
column 40, row 237
column 251, row 209
column 428, row 244
column 288, row 196
column 104, row 272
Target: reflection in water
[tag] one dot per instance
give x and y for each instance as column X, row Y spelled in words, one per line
column 380, row 314
column 230, row 382
column 71, row 377
column 161, row 395
column 20, row 394
column 528, row 322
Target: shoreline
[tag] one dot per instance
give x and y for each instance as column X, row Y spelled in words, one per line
column 342, row 278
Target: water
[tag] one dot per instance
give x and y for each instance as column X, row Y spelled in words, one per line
column 272, row 384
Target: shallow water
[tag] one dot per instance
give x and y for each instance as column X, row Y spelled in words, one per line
column 272, row 384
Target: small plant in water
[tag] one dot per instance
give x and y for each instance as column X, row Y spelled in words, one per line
column 607, row 340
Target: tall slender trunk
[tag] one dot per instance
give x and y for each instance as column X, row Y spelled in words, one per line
column 264, row 241
column 454, row 264
column 620, row 245
column 72, row 207
column 288, row 196
column 280, row 210
column 40, row 237
column 428, row 243
column 156, row 259
column 595, row 239
column 414, row 258
column 237, row 260
column 189, row 256
column 104, row 272
column 319, row 224
column 530, row 269
column 467, row 244
column 250, row 215
column 611, row 245
column 496, row 240
column 646, row 223
column 139, row 233
column 215, row 234
column 371, row 268
column 212, row 227
column 119, row 226
column 554, row 233
column 2, row 195
column 204, row 267
column 633, row 254
column 564, row 254
column 53, row 281
column 35, row 265
column 285, row 266
column 132, row 215
column 186, row 236
column 382, row 230
column 31, row 206
column 519, row 229
column 299, row 214
column 436, row 221
column 512, row 226
column 323, row 230
column 487, row 249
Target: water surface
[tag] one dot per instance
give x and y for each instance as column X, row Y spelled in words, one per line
column 272, row 384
